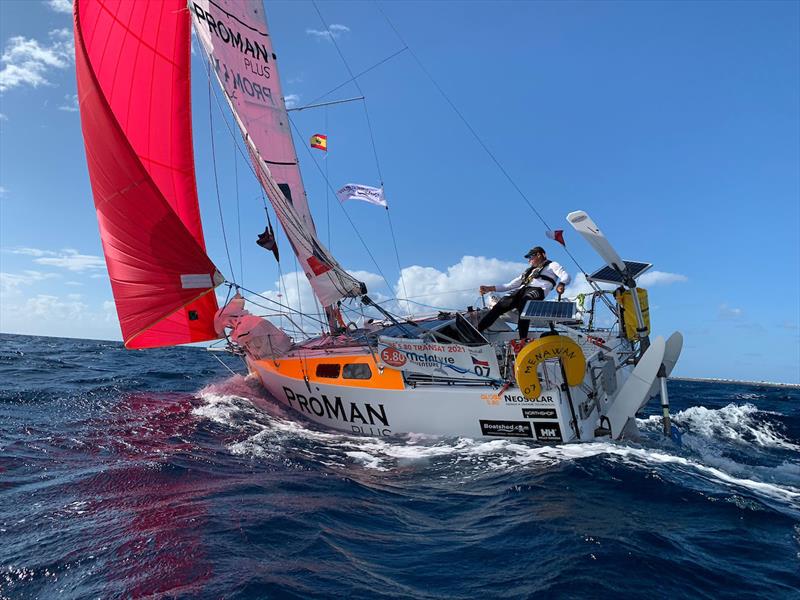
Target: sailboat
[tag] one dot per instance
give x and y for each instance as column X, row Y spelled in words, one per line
column 437, row 374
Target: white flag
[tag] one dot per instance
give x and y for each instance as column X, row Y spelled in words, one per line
column 365, row 193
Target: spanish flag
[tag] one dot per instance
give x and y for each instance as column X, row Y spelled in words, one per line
column 319, row 141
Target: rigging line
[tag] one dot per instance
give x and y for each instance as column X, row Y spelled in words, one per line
column 358, row 87
column 371, row 137
column 281, row 280
column 352, row 224
column 396, row 253
column 323, row 104
column 327, row 191
column 299, row 298
column 364, row 72
column 224, row 120
column 216, row 180
column 238, row 211
column 474, row 133
column 279, row 304
column 223, row 364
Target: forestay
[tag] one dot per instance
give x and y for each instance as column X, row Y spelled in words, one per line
column 235, row 37
column 132, row 62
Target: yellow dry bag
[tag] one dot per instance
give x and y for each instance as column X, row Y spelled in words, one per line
column 538, row 351
column 625, row 301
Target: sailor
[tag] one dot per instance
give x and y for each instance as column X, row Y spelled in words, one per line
column 533, row 284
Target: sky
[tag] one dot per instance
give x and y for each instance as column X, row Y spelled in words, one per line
column 676, row 126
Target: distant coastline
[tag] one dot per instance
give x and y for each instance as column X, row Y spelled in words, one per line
column 795, row 386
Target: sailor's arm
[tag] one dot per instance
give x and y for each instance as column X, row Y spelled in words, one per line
column 563, row 276
column 511, row 285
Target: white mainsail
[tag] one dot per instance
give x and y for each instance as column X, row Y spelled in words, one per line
column 235, row 38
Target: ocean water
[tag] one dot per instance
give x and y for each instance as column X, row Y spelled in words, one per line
column 153, row 474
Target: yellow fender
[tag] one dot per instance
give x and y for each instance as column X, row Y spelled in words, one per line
column 538, row 351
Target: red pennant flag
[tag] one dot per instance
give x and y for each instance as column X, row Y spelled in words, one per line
column 557, row 235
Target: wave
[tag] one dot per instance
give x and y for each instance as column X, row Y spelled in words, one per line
column 739, row 423
column 705, row 458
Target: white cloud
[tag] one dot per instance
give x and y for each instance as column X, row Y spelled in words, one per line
column 652, row 278
column 31, row 251
column 10, row 283
column 579, row 285
column 72, row 260
column 68, row 258
column 294, row 291
column 430, row 289
column 45, row 305
column 335, row 30
column 3, row 117
column 729, row 312
column 70, row 103
column 61, row 6
column 26, row 61
column 68, row 316
column 110, row 311
column 291, row 100
column 3, row 191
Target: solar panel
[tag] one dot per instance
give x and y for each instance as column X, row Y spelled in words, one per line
column 541, row 310
column 610, row 275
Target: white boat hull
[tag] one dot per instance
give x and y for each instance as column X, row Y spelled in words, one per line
column 441, row 410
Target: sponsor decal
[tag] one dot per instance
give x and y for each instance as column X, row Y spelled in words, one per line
column 548, row 432
column 539, row 413
column 435, row 359
column 506, row 428
column 362, row 416
column 520, row 399
column 393, row 357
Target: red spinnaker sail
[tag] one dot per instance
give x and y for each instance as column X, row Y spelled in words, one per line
column 132, row 61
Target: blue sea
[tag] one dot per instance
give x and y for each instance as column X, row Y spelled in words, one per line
column 153, row 475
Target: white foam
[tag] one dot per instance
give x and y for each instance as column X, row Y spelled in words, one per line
column 367, row 459
column 734, row 422
column 707, row 427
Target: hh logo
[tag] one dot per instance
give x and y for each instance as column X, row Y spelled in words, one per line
column 547, row 432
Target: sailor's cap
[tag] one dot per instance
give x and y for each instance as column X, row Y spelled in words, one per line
column 535, row 250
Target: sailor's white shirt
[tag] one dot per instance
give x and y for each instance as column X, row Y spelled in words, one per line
column 554, row 270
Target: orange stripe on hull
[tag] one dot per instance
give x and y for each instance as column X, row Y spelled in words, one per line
column 299, row 368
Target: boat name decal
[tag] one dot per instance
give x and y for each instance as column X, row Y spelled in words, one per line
column 242, row 43
column 336, row 409
column 548, row 353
